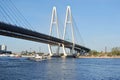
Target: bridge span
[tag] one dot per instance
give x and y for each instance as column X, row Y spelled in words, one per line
column 22, row 33
column 10, row 30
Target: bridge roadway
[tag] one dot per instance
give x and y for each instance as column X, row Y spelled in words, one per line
column 23, row 33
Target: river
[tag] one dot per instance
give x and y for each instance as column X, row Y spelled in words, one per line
column 59, row 69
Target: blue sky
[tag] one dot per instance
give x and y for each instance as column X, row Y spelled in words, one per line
column 98, row 22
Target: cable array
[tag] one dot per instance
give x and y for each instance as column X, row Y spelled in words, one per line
column 11, row 14
column 78, row 36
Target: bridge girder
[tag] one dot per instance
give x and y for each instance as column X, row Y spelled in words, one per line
column 22, row 33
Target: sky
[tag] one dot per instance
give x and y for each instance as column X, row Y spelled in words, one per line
column 98, row 22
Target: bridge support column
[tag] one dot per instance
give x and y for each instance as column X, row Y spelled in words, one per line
column 50, row 50
column 82, row 52
column 68, row 20
column 54, row 23
column 64, row 51
column 77, row 54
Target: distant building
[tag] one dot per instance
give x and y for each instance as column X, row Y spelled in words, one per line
column 3, row 47
column 3, row 50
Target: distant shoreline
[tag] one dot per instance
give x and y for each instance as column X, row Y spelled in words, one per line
column 99, row 57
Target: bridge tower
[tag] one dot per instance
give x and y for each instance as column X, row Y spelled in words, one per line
column 68, row 21
column 54, row 23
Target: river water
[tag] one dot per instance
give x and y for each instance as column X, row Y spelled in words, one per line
column 59, row 69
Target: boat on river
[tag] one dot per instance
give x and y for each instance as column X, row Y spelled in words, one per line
column 36, row 57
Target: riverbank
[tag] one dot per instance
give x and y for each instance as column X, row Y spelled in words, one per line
column 99, row 56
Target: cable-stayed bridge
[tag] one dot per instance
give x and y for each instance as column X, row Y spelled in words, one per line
column 16, row 31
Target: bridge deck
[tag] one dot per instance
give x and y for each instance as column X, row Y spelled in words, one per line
column 22, row 33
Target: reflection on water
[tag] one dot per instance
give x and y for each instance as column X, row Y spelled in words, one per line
column 59, row 69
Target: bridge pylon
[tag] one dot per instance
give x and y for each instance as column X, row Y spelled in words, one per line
column 68, row 21
column 54, row 23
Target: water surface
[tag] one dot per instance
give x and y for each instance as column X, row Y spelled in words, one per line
column 59, row 69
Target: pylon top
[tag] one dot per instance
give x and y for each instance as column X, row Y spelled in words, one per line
column 54, row 7
column 68, row 7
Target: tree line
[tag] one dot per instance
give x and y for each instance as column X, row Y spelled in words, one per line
column 114, row 52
